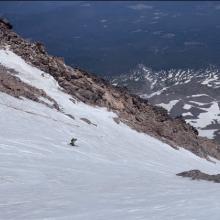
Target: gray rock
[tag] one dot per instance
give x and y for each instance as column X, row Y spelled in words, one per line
column 198, row 175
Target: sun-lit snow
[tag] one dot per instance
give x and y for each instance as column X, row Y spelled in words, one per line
column 197, row 95
column 145, row 96
column 207, row 133
column 46, row 100
column 169, row 105
column 198, row 103
column 211, row 114
column 187, row 106
column 187, row 114
column 114, row 172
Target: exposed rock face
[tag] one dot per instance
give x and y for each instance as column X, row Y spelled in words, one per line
column 13, row 86
column 198, row 175
column 131, row 109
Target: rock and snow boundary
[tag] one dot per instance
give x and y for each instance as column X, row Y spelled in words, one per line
column 192, row 93
column 115, row 173
column 129, row 109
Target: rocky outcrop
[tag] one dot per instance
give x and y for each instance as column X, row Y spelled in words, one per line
column 88, row 121
column 12, row 85
column 131, row 109
column 198, row 175
column 5, row 23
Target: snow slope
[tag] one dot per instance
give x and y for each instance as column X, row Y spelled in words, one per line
column 114, row 173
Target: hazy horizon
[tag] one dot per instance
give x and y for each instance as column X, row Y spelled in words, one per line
column 110, row 38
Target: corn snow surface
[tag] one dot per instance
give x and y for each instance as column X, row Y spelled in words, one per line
column 113, row 173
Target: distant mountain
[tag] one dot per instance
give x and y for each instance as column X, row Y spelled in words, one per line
column 194, row 94
column 110, row 38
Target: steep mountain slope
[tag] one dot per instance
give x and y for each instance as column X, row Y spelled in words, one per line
column 130, row 109
column 194, row 94
column 115, row 171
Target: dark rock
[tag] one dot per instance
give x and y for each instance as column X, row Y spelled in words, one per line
column 40, row 47
column 117, row 120
column 88, row 121
column 198, row 175
column 6, row 23
column 70, row 116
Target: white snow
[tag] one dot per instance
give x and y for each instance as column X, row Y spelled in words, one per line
column 187, row 114
column 114, row 173
column 187, row 106
column 211, row 115
column 198, row 103
column 209, row 79
column 207, row 133
column 168, row 106
column 45, row 100
column 153, row 94
column 198, row 95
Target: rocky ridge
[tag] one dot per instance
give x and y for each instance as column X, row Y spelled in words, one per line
column 131, row 109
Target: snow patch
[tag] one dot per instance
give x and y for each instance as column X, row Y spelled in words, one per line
column 187, row 114
column 169, row 105
column 187, row 106
column 207, row 133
